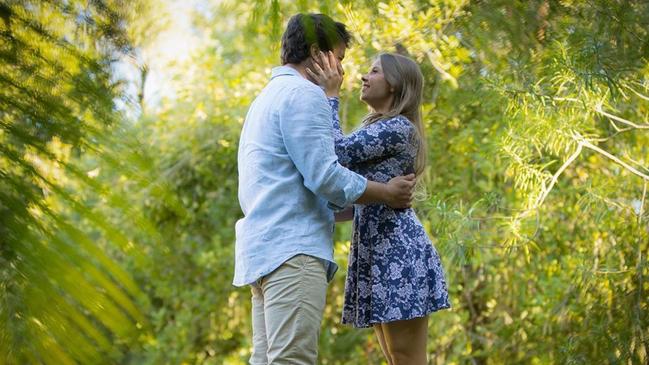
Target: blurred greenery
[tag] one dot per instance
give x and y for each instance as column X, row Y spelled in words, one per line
column 117, row 211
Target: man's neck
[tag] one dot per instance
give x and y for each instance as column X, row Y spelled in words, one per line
column 299, row 67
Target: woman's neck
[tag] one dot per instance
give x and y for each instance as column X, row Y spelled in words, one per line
column 383, row 107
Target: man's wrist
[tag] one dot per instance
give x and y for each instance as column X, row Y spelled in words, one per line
column 386, row 193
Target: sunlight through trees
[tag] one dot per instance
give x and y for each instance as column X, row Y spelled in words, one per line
column 117, row 210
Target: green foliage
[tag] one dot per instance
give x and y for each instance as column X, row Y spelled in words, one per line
column 536, row 114
column 63, row 299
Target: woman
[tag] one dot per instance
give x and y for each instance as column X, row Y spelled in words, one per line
column 395, row 278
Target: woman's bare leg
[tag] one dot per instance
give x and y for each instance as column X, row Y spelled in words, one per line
column 379, row 334
column 406, row 341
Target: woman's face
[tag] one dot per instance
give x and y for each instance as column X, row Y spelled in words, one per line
column 376, row 91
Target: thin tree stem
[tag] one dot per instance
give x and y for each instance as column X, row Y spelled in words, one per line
column 445, row 75
column 556, row 175
column 641, row 96
column 587, row 144
column 619, row 119
column 644, row 196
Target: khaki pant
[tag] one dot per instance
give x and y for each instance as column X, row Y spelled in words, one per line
column 287, row 307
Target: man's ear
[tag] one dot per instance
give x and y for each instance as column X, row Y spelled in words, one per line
column 314, row 51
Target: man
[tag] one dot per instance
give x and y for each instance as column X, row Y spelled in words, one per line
column 289, row 180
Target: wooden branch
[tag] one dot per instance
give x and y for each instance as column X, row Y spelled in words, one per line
column 582, row 142
column 445, row 75
column 617, row 129
column 612, row 118
column 567, row 99
column 588, row 144
column 555, row 177
column 644, row 196
column 641, row 96
column 599, row 109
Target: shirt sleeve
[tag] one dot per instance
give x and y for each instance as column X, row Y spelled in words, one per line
column 376, row 141
column 305, row 124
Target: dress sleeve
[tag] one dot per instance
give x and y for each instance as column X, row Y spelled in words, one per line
column 334, row 103
column 378, row 140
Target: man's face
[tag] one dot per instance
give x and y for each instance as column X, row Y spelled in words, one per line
column 339, row 52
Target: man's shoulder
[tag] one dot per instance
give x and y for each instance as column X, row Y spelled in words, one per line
column 300, row 87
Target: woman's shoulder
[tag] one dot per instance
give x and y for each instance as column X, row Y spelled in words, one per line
column 399, row 122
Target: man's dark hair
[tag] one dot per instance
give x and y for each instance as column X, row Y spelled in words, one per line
column 304, row 30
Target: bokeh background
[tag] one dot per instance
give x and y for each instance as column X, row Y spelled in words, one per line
column 119, row 124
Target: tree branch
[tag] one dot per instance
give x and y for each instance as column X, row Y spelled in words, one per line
column 641, row 96
column 588, row 144
column 445, row 75
column 582, row 142
column 598, row 109
column 644, row 196
column 555, row 177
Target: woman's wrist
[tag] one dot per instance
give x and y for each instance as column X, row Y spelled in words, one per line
column 332, row 94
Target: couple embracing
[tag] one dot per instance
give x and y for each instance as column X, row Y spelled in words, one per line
column 298, row 172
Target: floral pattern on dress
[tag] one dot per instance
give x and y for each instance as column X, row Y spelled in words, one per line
column 394, row 272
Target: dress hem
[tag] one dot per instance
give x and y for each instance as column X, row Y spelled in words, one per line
column 373, row 322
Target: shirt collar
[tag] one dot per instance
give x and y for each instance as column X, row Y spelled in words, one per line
column 284, row 71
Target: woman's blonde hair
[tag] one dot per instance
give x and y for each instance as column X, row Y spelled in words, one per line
column 405, row 77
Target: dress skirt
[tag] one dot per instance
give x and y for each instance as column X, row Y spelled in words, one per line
column 394, row 272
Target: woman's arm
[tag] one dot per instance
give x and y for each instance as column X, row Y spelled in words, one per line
column 334, row 103
column 378, row 140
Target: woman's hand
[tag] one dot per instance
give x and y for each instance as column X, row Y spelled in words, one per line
column 327, row 72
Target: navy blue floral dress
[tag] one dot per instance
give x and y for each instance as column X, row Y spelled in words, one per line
column 394, row 271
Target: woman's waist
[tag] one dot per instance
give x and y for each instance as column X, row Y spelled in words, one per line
column 380, row 211
column 380, row 173
column 399, row 226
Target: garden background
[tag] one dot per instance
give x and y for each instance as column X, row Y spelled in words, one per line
column 119, row 124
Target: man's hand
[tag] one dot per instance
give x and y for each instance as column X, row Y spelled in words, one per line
column 399, row 191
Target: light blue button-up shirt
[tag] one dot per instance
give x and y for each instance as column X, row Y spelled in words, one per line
column 289, row 178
